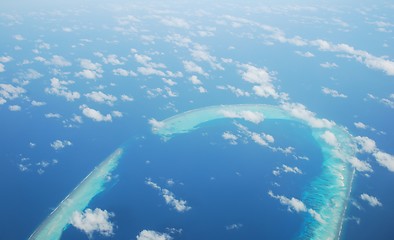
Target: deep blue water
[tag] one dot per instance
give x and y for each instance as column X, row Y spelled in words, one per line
column 237, row 194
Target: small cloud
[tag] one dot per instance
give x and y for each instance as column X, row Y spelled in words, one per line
column 371, row 200
column 175, row 22
column 90, row 70
column 300, row 111
column 333, row 93
column 59, row 61
column 53, row 115
column 153, row 235
column 305, row 54
column 59, row 88
column 5, row 59
column 234, row 226
column 19, row 37
column 230, row 137
column 155, row 124
column 101, row 97
column 360, row 125
column 170, row 82
column 194, row 79
column 288, row 169
column 91, row 221
column 59, row 144
column 201, row 89
column 37, row 104
column 67, row 29
column 112, row 59
column 328, row 65
column 117, row 114
column 94, row 114
column 254, row 117
column 15, row 108
column 8, row 91
column 178, row 204
column 126, row 98
column 124, row 73
column 194, row 68
column 293, row 204
column 330, row 138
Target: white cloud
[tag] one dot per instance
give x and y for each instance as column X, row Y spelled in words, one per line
column 293, row 204
column 369, row 60
column 15, row 108
column 330, row 138
column 328, row 65
column 237, row 91
column 150, row 71
column 360, row 125
column 385, row 160
column 88, row 64
column 5, row 59
column 305, row 54
column 300, row 111
column 59, row 61
column 333, row 93
column 234, row 226
column 90, row 70
column 367, row 145
column 59, row 144
column 2, row 101
column 37, row 104
column 31, row 74
column 193, row 68
column 53, row 115
column 385, row 101
column 170, row 82
column 371, row 200
column 59, row 88
column 77, row 119
column 112, row 59
column 316, row 215
column 126, row 98
column 153, row 235
column 94, row 114
column 254, row 117
column 19, row 37
column 262, row 78
column 359, row 165
column 2, row 68
column 124, row 73
column 8, row 91
column 101, row 97
column 175, row 22
column 117, row 114
column 91, row 221
column 179, row 40
column 67, row 29
column 194, row 79
column 202, row 89
column 258, row 139
column 230, row 137
column 155, row 124
column 89, row 74
column 288, row 169
column 200, row 53
column 169, row 197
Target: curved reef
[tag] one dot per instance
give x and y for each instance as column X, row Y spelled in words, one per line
column 328, row 194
